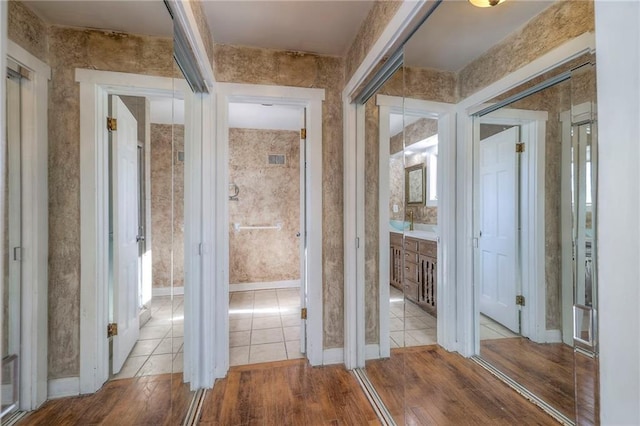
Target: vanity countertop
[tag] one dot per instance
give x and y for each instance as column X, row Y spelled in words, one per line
column 421, row 235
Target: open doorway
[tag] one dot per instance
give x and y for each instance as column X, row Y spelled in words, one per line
column 267, row 256
column 147, row 228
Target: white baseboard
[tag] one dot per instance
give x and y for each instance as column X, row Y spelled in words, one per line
column 553, row 336
column 166, row 291
column 59, row 388
column 372, row 351
column 264, row 286
column 333, row 356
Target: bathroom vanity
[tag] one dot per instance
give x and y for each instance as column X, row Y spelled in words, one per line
column 414, row 264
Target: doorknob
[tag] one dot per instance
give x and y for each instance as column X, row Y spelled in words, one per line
column 297, row 234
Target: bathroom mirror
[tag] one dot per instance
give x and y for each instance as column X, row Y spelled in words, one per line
column 415, row 184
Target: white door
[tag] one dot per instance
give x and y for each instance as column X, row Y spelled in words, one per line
column 125, row 231
column 303, row 231
column 498, row 228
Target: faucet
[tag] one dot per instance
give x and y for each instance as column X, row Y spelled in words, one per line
column 411, row 217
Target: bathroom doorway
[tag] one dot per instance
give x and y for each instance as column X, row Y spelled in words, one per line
column 267, row 256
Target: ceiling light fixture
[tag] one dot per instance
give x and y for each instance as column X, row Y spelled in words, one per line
column 485, row 3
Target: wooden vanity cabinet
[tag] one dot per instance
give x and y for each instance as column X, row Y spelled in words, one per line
column 414, row 270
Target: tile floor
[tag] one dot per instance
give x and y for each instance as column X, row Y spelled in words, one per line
column 490, row 329
column 409, row 324
column 264, row 326
column 159, row 347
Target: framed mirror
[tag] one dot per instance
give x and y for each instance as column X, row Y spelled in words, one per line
column 415, row 184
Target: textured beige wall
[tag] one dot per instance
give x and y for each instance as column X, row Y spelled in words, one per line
column 27, row 30
column 268, row 193
column 558, row 24
column 167, row 205
column 264, row 66
column 203, row 27
column 372, row 27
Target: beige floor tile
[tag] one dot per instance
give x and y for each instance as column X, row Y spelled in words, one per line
column 239, row 355
column 144, row 347
column 422, row 337
column 488, row 333
column 290, row 310
column 413, row 323
column 268, row 335
column 293, row 349
column 239, row 338
column 131, row 367
column 392, row 343
column 177, row 330
column 267, row 353
column 153, row 332
column 242, row 324
column 178, row 363
column 156, row 364
column 169, row 345
column 267, row 322
column 398, row 337
column 263, row 312
column 291, row 333
column 291, row 320
column 396, row 324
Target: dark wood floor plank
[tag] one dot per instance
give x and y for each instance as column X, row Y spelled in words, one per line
column 153, row 400
column 289, row 393
column 431, row 386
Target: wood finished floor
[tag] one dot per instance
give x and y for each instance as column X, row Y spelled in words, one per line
column 287, row 393
column 442, row 388
column 547, row 370
column 151, row 400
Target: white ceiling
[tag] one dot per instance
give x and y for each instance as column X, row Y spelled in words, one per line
column 163, row 110
column 453, row 36
column 137, row 17
column 457, row 32
column 323, row 27
column 257, row 116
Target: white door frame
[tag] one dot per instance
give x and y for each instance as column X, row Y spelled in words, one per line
column 445, row 115
column 530, row 268
column 311, row 99
column 95, row 87
column 468, row 328
column 35, row 227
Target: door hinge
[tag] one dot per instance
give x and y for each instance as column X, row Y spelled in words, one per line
column 112, row 329
column 303, row 133
column 303, row 313
column 17, row 254
column 520, row 300
column 112, row 124
column 520, row 147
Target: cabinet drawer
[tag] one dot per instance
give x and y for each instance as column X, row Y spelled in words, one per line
column 410, row 256
column 396, row 239
column 411, row 290
column 411, row 244
column 411, row 271
column 428, row 248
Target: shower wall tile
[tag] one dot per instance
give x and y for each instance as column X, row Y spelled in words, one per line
column 268, row 194
column 69, row 49
column 167, row 205
column 272, row 67
column 551, row 28
column 26, row 29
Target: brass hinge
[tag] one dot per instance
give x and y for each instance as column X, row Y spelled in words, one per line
column 520, row 147
column 112, row 329
column 303, row 313
column 303, row 133
column 520, row 300
column 112, row 124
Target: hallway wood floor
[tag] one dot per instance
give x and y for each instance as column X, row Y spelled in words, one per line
column 150, row 400
column 287, row 393
column 430, row 386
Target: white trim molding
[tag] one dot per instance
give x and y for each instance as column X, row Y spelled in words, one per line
column 311, row 100
column 95, row 88
column 333, row 356
column 35, row 228
column 264, row 285
column 61, row 388
column 168, row 291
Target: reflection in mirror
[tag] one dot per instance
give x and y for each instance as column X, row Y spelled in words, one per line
column 530, row 325
column 415, row 182
column 137, row 170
